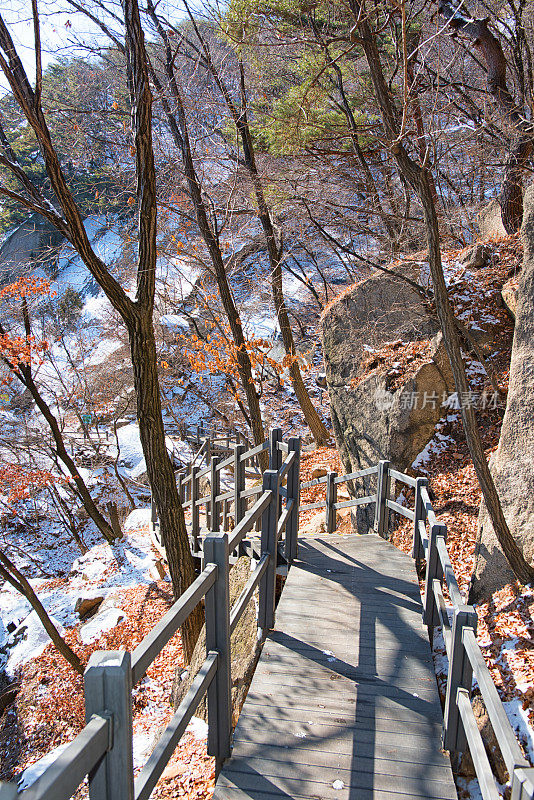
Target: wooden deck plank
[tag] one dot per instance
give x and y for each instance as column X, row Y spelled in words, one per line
column 345, row 689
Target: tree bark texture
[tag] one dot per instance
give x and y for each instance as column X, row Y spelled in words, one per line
column 137, row 315
column 180, row 133
column 141, row 333
column 519, row 128
column 417, row 177
column 159, row 468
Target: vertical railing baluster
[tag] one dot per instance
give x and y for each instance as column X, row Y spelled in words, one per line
column 215, row 490
column 418, row 551
column 331, row 498
column 460, row 676
column 434, row 571
column 195, row 509
column 275, row 454
column 293, row 493
column 269, row 522
column 217, row 606
column 208, row 450
column 108, row 692
column 239, row 483
column 382, row 494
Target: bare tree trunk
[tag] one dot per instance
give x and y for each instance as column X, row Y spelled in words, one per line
column 417, row 177
column 12, row 575
column 137, row 315
column 160, row 471
column 180, row 133
column 23, row 373
column 142, row 339
column 511, row 197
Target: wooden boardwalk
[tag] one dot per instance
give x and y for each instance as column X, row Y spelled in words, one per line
column 343, row 704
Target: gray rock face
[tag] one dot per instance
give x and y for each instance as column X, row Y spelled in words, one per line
column 512, row 462
column 509, row 296
column 490, row 221
column 372, row 421
column 477, row 256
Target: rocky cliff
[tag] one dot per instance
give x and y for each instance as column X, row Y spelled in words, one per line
column 512, row 463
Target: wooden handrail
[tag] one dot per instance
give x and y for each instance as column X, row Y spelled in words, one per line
column 154, row 642
column 110, row 676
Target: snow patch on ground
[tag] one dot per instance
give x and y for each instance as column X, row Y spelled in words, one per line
column 143, row 743
column 438, row 444
column 198, row 728
column 138, row 519
column 520, row 722
column 103, row 570
column 101, row 623
column 102, row 351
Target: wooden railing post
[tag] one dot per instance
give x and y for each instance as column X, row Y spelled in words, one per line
column 275, row 454
column 215, row 489
column 434, row 571
column 522, row 783
column 460, row 676
column 331, row 498
column 239, row 483
column 195, row 510
column 207, row 451
column 418, row 551
column 108, row 692
column 382, row 494
column 218, row 639
column 269, row 523
column 293, row 493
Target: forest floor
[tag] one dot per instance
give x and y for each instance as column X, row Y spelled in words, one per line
column 48, row 709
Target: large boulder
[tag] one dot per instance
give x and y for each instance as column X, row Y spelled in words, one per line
column 490, row 221
column 387, row 373
column 509, row 296
column 511, row 464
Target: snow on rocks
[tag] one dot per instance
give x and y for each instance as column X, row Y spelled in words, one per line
column 131, row 457
column 174, row 322
column 103, row 350
column 28, row 641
